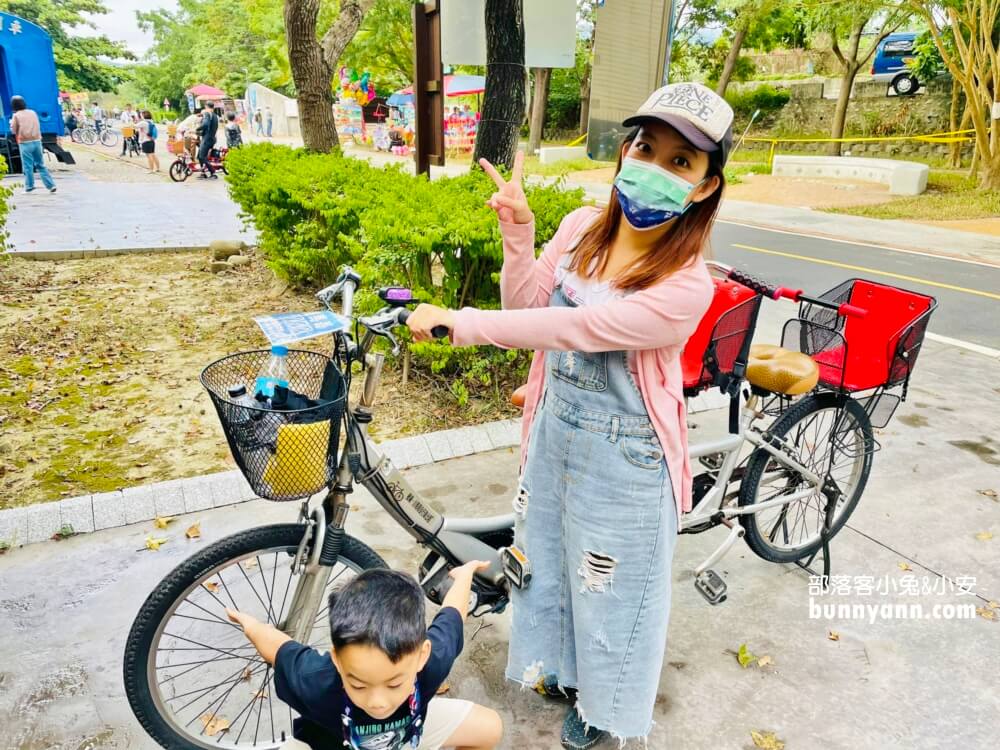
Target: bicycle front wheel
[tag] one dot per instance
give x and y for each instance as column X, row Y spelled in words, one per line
column 179, row 171
column 829, row 435
column 192, row 678
column 109, row 138
column 89, row 136
column 76, row 136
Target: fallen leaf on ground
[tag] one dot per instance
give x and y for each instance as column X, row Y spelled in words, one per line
column 249, row 564
column 247, row 675
column 992, row 494
column 987, row 614
column 445, row 687
column 833, row 635
column 993, row 605
column 904, row 566
column 744, row 657
column 194, row 532
column 766, row 740
column 211, row 586
column 260, row 695
column 161, row 522
column 984, row 536
column 154, row 544
column 764, row 660
column 214, row 724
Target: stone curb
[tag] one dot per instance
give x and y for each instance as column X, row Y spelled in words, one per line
column 97, row 252
column 87, row 513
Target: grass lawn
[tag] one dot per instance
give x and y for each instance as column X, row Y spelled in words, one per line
column 99, row 367
column 949, row 195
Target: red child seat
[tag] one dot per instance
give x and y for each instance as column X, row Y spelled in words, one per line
column 861, row 353
column 722, row 334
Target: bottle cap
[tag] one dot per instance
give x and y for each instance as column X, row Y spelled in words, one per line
column 235, row 391
column 281, row 351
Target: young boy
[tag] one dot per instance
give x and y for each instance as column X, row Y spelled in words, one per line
column 376, row 690
column 234, row 138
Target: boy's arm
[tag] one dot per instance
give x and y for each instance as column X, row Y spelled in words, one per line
column 267, row 639
column 458, row 595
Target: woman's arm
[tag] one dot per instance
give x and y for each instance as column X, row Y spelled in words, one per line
column 666, row 314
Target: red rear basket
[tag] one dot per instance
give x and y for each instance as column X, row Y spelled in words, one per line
column 858, row 354
column 723, row 333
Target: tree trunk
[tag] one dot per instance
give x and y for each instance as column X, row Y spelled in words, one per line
column 312, row 75
column 503, row 102
column 585, row 101
column 734, row 54
column 990, row 177
column 840, row 113
column 539, row 103
column 955, row 149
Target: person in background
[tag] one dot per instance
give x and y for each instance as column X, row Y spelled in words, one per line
column 209, row 128
column 98, row 114
column 128, row 118
column 70, row 121
column 234, row 137
column 26, row 128
column 147, row 140
column 187, row 132
column 269, row 115
column 258, row 120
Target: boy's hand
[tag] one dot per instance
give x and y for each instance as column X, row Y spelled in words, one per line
column 244, row 621
column 467, row 570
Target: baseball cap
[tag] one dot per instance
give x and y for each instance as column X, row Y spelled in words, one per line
column 703, row 117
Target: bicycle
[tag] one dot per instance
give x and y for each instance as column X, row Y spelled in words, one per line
column 108, row 137
column 85, row 134
column 283, row 573
column 184, row 166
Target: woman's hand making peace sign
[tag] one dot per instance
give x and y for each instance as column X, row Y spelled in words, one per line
column 509, row 200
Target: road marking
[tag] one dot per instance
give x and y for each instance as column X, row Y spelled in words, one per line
column 915, row 279
column 938, row 256
column 978, row 348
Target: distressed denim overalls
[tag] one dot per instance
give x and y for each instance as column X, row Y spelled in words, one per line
column 596, row 519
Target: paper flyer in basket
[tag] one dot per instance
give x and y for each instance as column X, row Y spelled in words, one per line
column 287, row 328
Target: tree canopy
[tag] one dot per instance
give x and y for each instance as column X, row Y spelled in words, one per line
column 83, row 63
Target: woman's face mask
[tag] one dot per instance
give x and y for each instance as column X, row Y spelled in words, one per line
column 649, row 195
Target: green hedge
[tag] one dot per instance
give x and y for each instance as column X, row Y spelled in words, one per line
column 315, row 212
column 5, row 192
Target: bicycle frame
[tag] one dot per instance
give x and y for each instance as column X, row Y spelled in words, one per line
column 453, row 539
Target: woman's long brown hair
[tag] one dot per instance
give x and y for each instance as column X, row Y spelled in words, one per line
column 684, row 241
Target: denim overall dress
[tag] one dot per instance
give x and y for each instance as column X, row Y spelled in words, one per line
column 596, row 518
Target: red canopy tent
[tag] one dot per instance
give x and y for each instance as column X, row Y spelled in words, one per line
column 203, row 91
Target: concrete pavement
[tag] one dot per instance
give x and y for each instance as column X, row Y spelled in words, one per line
column 65, row 609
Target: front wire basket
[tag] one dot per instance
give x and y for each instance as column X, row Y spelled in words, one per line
column 284, row 455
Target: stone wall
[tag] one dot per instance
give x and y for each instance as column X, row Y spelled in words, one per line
column 871, row 113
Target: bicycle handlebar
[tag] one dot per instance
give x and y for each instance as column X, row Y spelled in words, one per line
column 795, row 295
column 438, row 332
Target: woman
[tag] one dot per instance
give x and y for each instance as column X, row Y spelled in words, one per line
column 608, row 307
column 147, row 140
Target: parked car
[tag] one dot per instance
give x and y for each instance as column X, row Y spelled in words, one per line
column 890, row 63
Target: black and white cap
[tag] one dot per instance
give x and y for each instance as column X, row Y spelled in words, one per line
column 703, row 117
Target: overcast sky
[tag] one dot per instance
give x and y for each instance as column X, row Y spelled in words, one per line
column 119, row 22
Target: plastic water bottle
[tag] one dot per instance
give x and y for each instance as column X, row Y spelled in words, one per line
column 275, row 372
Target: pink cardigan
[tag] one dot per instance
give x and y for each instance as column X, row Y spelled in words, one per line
column 655, row 322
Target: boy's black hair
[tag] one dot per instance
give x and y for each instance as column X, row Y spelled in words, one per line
column 231, row 117
column 381, row 608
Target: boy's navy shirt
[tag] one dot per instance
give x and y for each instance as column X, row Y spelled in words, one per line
column 308, row 682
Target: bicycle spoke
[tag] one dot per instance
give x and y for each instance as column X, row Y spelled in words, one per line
column 253, row 699
column 263, row 580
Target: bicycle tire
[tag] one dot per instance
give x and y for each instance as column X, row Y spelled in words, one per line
column 756, row 538
column 179, row 171
column 109, row 138
column 75, row 136
column 89, row 136
column 176, row 584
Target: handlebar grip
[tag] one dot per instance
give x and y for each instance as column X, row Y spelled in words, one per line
column 751, row 282
column 438, row 332
column 785, row 292
column 852, row 311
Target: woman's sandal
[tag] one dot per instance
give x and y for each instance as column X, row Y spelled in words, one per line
column 550, row 688
column 576, row 735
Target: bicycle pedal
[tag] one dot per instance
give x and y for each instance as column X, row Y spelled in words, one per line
column 711, row 586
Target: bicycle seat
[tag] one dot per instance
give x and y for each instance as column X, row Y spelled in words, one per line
column 781, row 370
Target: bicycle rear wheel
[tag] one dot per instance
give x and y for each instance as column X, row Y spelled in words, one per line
column 827, row 433
column 109, row 138
column 76, row 135
column 88, row 135
column 192, row 678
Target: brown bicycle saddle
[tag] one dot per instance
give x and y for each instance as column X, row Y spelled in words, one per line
column 781, row 370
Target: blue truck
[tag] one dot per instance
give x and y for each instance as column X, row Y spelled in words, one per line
column 28, row 69
column 890, row 63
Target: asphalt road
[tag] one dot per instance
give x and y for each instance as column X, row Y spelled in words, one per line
column 967, row 292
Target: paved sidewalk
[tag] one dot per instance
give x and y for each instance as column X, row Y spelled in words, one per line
column 65, row 609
